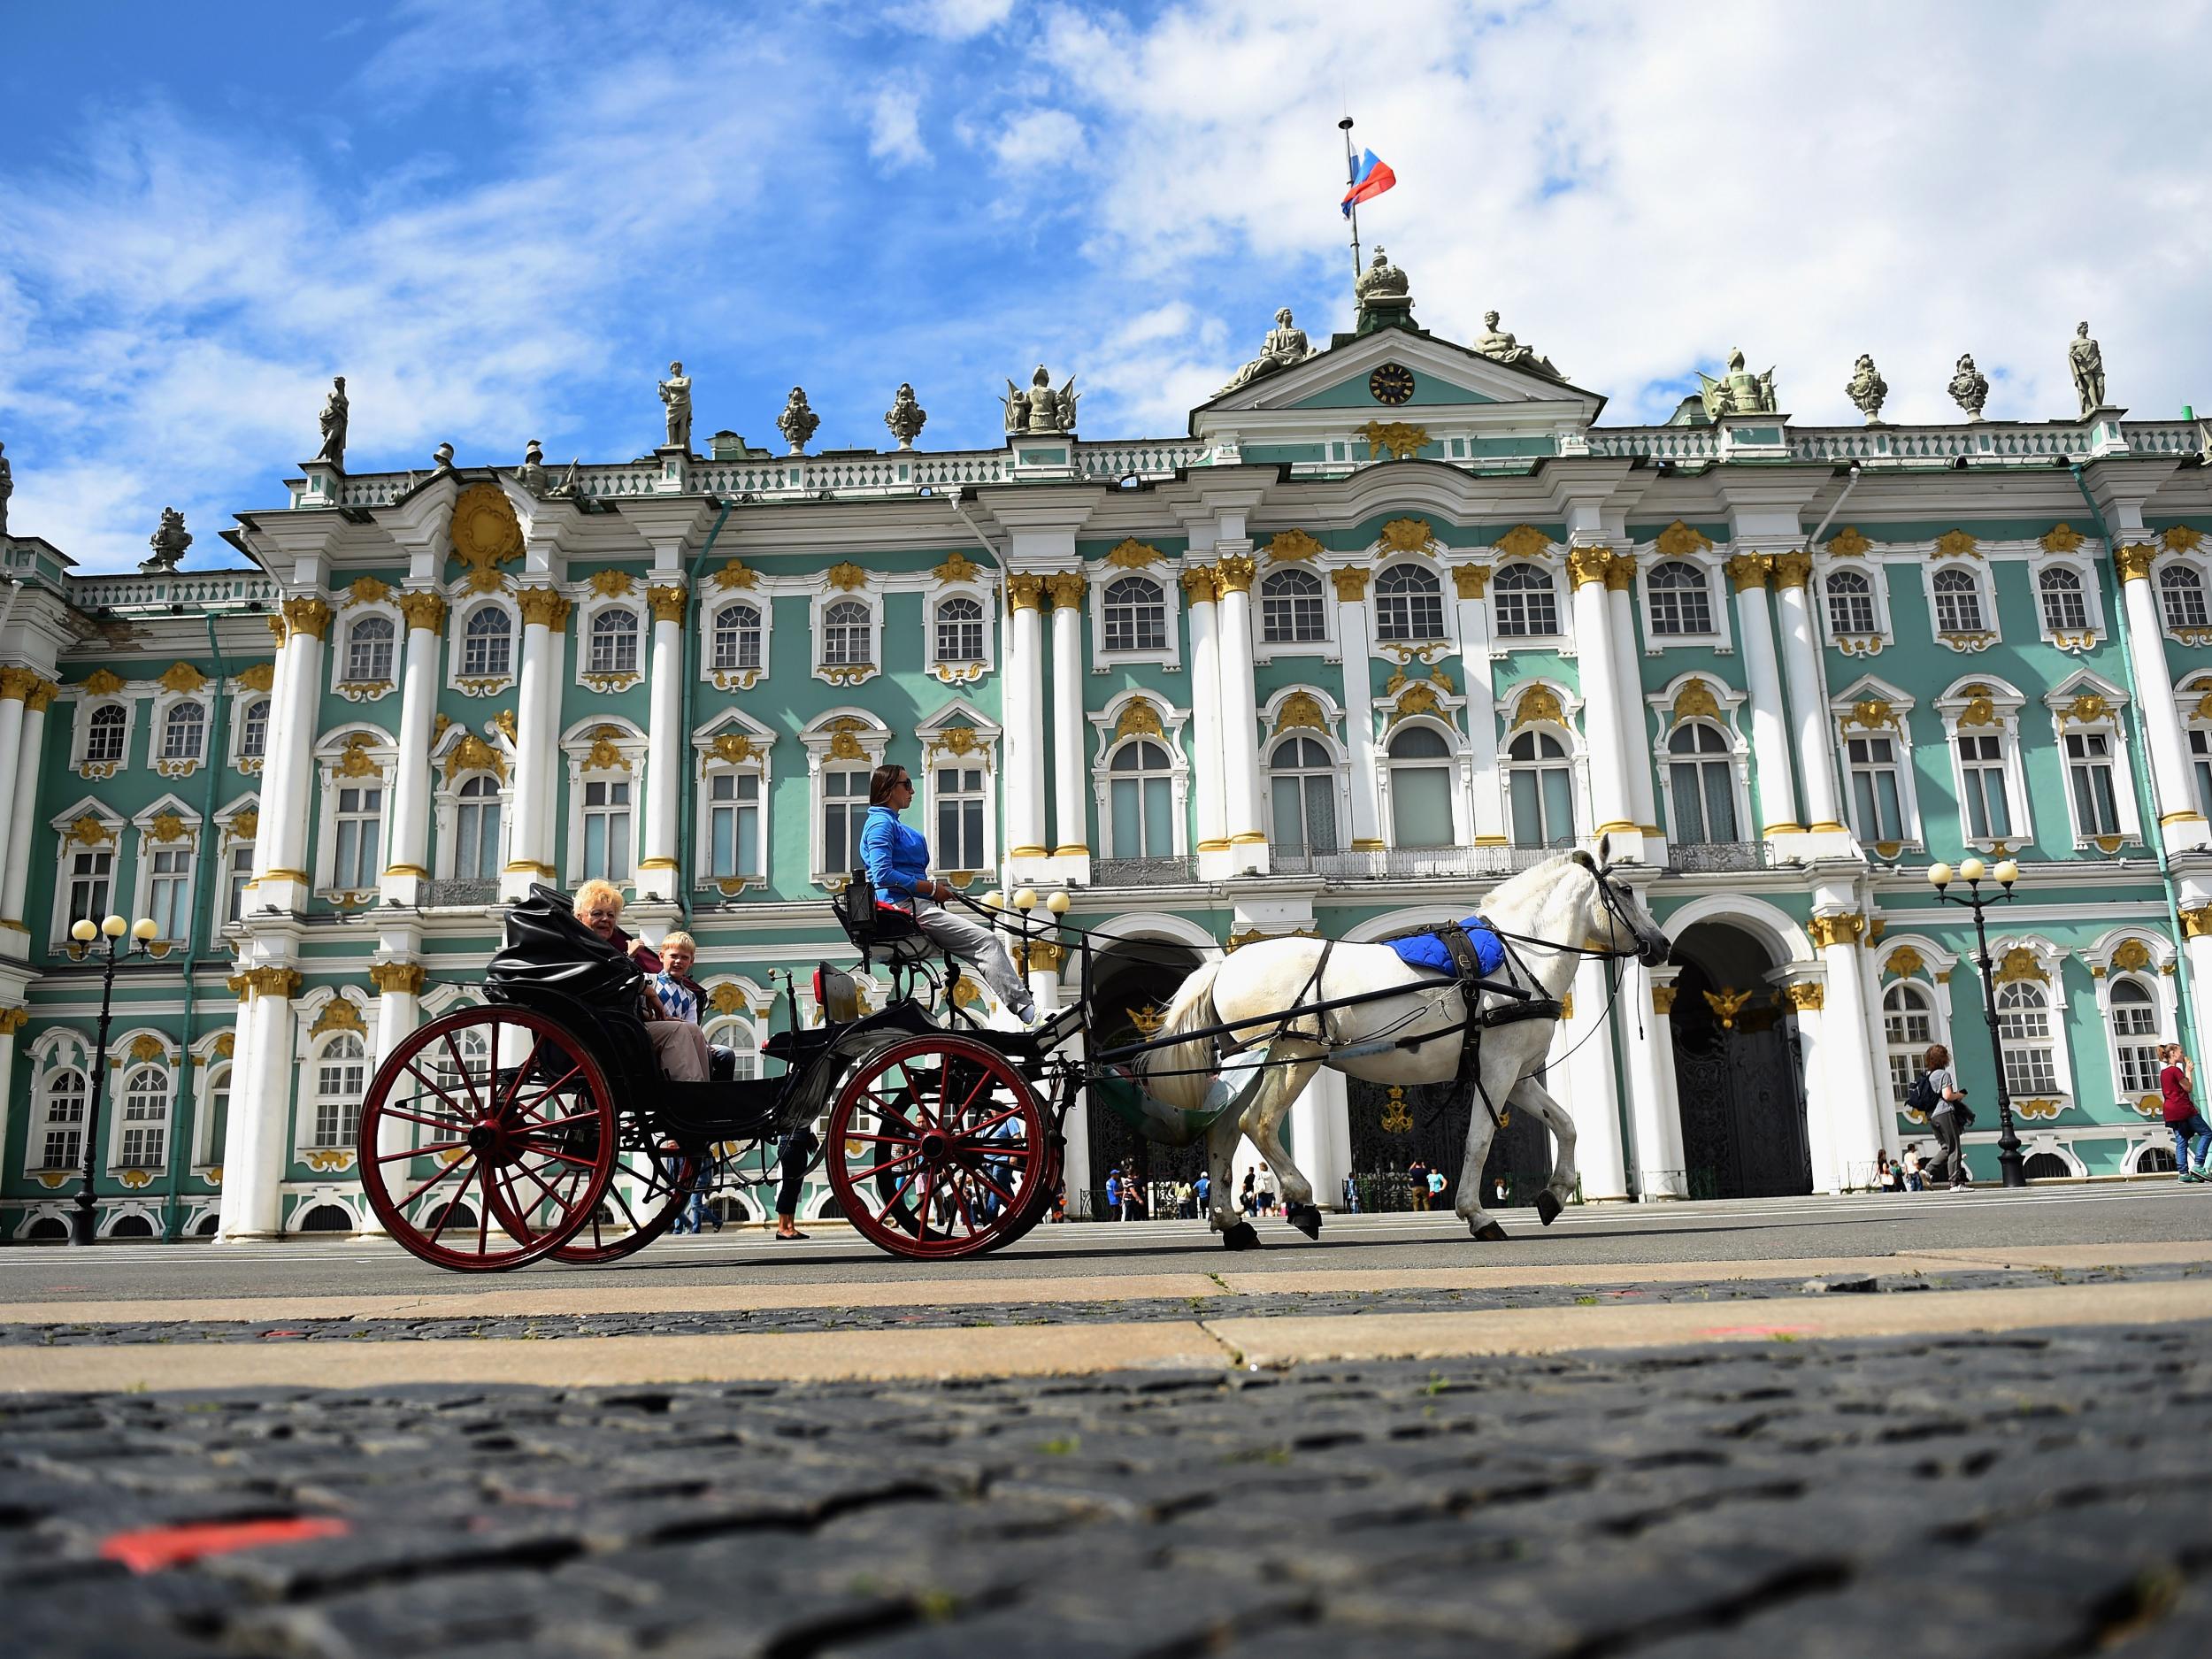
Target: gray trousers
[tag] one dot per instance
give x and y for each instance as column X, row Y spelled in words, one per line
column 977, row 945
column 1948, row 1137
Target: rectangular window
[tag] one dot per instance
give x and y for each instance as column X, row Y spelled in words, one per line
column 360, row 817
column 2089, row 770
column 89, row 874
column 607, row 829
column 145, row 1121
column 734, row 824
column 1876, row 796
column 63, row 1143
column 1141, row 810
column 2200, row 765
column 339, row 1081
column 844, row 810
column 168, row 890
column 1421, row 806
column 1543, row 805
column 959, row 801
column 237, row 872
column 1982, row 767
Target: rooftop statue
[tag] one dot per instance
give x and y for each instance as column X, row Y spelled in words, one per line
column 168, row 543
column 1867, row 388
column 676, row 394
column 1040, row 408
column 905, row 417
column 2087, row 363
column 572, row 485
column 7, row 487
column 333, row 421
column 1737, row 391
column 443, row 455
column 1284, row 347
column 532, row 474
column 1969, row 388
column 1380, row 278
column 1501, row 347
column 797, row 423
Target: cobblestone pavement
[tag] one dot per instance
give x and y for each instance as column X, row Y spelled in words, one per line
column 2035, row 1494
column 1599, row 1289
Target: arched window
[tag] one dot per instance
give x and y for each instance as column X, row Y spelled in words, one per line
column 476, row 830
column 1908, row 1027
column 1703, row 784
column 369, row 651
column 1408, row 604
column 1850, row 602
column 341, row 1073
column 737, row 1037
column 1303, row 783
column 1141, row 800
column 2065, row 608
column 62, row 1145
column 1539, row 786
column 959, row 630
column 1290, row 608
column 1958, row 601
column 1421, row 789
column 1680, row 598
column 1527, row 604
column 2135, row 1036
column 359, row 823
column 103, row 733
column 845, row 630
column 2023, row 1021
column 737, row 638
column 1135, row 615
column 183, row 732
column 614, row 642
column 253, row 729
column 2181, row 590
column 145, row 1120
column 488, row 644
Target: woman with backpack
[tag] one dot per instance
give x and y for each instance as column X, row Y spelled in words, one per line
column 2177, row 1078
column 1936, row 1091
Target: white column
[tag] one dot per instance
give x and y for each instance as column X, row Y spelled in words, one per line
column 2196, row 933
column 660, row 870
column 1202, row 595
column 1320, row 1137
column 1071, row 820
column 21, row 823
column 288, row 788
column 1620, row 581
column 398, row 1012
column 1240, row 711
column 16, row 684
column 1770, row 720
column 1355, row 641
column 1809, row 707
column 256, row 1148
column 2180, row 817
column 537, row 742
column 1590, row 1096
column 1609, row 801
column 1024, row 712
column 1654, row 1105
column 1472, row 582
column 410, row 866
column 12, row 1020
column 1846, row 1067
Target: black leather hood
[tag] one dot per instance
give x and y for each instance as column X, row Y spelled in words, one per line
column 549, row 949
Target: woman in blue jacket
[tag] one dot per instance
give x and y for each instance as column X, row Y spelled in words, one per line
column 897, row 860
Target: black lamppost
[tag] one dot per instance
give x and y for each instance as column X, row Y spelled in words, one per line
column 1971, row 870
column 81, row 935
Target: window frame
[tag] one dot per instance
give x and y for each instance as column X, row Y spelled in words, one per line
column 67, row 848
column 1875, row 572
column 1561, row 614
column 1456, row 765
column 382, row 752
column 243, row 701
column 103, row 765
column 2090, row 592
column 143, row 875
column 1910, row 1051
column 870, row 741
column 753, row 742
column 1732, row 756
column 2190, row 635
column 716, row 592
column 308, row 1135
column 960, row 670
column 1162, row 575
column 1324, row 643
column 1334, row 768
column 1716, row 636
column 352, row 614
column 870, row 599
column 1976, row 572
column 1118, row 722
column 1844, row 725
column 603, row 748
column 163, row 716
column 601, row 625
column 1418, row 571
column 2006, row 703
column 2110, row 723
column 120, row 1123
column 458, row 676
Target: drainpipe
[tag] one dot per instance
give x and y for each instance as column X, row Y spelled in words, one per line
column 2146, row 806
column 203, row 905
column 688, row 696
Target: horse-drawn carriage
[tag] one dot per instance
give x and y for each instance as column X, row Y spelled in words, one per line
column 537, row 1124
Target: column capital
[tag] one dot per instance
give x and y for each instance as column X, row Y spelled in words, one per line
column 16, row 684
column 1024, row 592
column 1620, row 573
column 1663, row 999
column 1588, row 564
column 668, row 601
column 1806, row 994
column 423, row 611
column 1234, row 572
column 2133, row 561
column 1200, row 586
column 542, row 607
column 1350, row 583
column 396, row 978
column 1471, row 581
column 2197, row 923
column 1068, row 590
column 1749, row 571
column 311, row 617
column 280, row 982
column 1792, row 570
column 1843, row 929
column 41, row 697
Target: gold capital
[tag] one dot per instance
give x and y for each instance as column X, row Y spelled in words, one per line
column 1806, row 996
column 1663, row 999
column 667, row 601
column 1836, row 930
column 1024, row 592
column 1068, row 590
column 16, row 684
column 1793, row 570
column 1747, row 570
column 1620, row 575
column 41, row 696
column 311, row 617
column 1200, row 586
column 400, row 979
column 2134, row 561
column 1234, row 572
column 2197, row 923
column 1587, row 565
column 542, row 607
column 1350, row 583
column 272, row 982
column 12, row 1021
column 1470, row 580
column 423, row 611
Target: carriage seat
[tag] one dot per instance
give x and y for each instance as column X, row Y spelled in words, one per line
column 1468, row 949
column 873, row 925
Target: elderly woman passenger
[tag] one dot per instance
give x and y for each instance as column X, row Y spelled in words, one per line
column 679, row 1046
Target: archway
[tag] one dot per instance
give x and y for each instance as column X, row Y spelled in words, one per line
column 1133, row 980
column 1738, row 1074
column 1395, row 1127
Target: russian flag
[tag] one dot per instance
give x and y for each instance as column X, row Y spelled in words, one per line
column 1370, row 179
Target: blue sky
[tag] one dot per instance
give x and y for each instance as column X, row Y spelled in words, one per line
column 502, row 220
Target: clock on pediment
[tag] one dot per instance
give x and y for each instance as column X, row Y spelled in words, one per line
column 1391, row 384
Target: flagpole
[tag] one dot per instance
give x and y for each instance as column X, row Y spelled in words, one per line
column 1351, row 171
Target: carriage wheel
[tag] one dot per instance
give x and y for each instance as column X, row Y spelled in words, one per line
column 647, row 1191
column 486, row 1115
column 937, row 1147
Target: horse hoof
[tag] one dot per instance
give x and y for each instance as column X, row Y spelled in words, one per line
column 1491, row 1232
column 1241, row 1237
column 1548, row 1207
column 1306, row 1219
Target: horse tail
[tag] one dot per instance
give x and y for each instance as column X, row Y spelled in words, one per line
column 1184, row 1070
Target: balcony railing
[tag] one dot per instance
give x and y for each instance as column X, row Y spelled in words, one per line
column 1142, row 872
column 1711, row 857
column 1415, row 863
column 456, row 893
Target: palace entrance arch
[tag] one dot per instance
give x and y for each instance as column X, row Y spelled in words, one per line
column 1132, row 982
column 1737, row 1073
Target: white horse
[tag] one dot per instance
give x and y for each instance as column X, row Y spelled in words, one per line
column 1557, row 912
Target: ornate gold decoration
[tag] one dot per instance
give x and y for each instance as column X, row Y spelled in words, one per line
column 1200, row 585
column 1300, row 708
column 1750, row 570
column 2133, row 561
column 605, row 756
column 1148, row 1020
column 1981, row 707
column 1587, row 565
column 168, row 826
column 1793, row 570
column 2061, row 538
column 1138, row 718
column 611, row 584
column 1068, row 590
column 958, row 568
column 104, row 682
column 1538, row 703
column 2089, row 706
column 145, row 1050
column 2197, row 923
column 1847, row 544
column 2131, row 956
column 1471, row 581
column 667, row 603
column 1291, row 546
column 16, row 684
column 355, row 761
column 1806, row 996
column 1523, row 542
column 1234, row 572
column 1044, row 956
column 1953, row 544
column 485, row 531
column 339, row 1014
column 275, row 619
column 1419, row 698
column 737, row 574
column 473, row 754
column 503, row 723
column 1397, row 1117
column 1873, row 713
column 1727, row 1003
column 542, row 607
column 12, row 1021
column 2038, row 1109
column 2180, row 539
column 846, row 576
column 1133, row 554
column 2018, row 963
column 1407, row 535
column 1024, row 592
column 1679, row 539
column 90, row 832
column 845, row 740
column 1904, row 962
column 1350, row 584
column 423, row 611
column 41, row 696
column 285, row 982
column 396, row 978
column 245, row 826
column 1401, row 439
column 1841, row 929
column 1620, row 573
column 181, row 677
column 1663, row 999
column 735, row 748
column 1695, row 700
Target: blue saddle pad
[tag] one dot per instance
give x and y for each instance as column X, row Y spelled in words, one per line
column 1427, row 950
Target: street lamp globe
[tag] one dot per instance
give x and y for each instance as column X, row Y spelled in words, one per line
column 2008, row 872
column 1972, row 870
column 1938, row 875
column 1025, row 899
column 114, row 926
column 1057, row 904
column 143, row 929
column 84, row 929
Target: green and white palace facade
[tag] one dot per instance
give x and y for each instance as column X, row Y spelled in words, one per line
column 1393, row 619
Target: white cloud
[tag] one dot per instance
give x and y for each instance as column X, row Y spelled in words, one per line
column 953, row 19
column 895, row 124
column 1038, row 138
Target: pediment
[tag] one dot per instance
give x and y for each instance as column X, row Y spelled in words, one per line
column 1445, row 376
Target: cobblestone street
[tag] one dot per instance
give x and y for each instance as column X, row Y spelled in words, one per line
column 2031, row 1493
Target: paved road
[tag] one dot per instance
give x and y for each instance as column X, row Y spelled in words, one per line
column 1593, row 1235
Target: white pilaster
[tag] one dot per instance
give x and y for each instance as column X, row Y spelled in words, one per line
column 1240, row 709
column 1609, row 800
column 1320, row 1136
column 1356, row 640
column 659, row 869
column 1072, row 823
column 1590, row 1096
column 398, row 1012
column 288, row 777
column 2180, row 820
column 1808, row 699
column 1620, row 619
column 1024, row 718
column 15, row 935
column 1770, row 744
column 16, row 684
column 408, row 870
column 1654, row 1105
column 1853, row 1110
column 1201, row 600
column 12, row 1020
column 537, row 742
column 1488, row 810
column 256, row 1148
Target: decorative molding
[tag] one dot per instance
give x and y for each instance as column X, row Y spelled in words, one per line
column 1679, row 539
column 958, row 568
column 1234, row 572
column 1841, row 929
column 844, row 738
column 1873, row 713
column 103, row 682
column 2061, row 538
column 1956, row 544
column 605, row 756
column 736, row 574
column 1133, row 554
column 1847, row 544
column 1523, row 542
column 1138, row 718
column 1291, row 547
column 846, row 576
column 1904, row 962
column 1400, row 438
column 1300, row 708
column 2180, row 539
column 486, row 533
column 1538, row 703
column 2018, row 964
column 181, row 677
column 473, row 754
column 355, row 761
column 1350, row 584
column 1407, row 535
column 339, row 1014
column 611, row 584
column 90, row 832
column 167, row 826
column 1695, row 700
column 2131, row 956
column 734, row 748
column 396, row 978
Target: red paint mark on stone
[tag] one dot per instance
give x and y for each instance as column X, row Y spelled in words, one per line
column 158, row 1548
column 1758, row 1330
column 271, row 1333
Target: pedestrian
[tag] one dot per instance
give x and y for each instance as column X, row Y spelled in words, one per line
column 1351, row 1196
column 1436, row 1187
column 794, row 1152
column 1186, row 1201
column 1246, row 1200
column 1418, row 1178
column 2176, row 1081
column 1885, row 1173
column 1205, row 1187
column 1113, row 1192
column 1267, row 1197
column 1915, row 1167
column 1948, row 1114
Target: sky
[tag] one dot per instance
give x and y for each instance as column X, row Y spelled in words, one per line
column 501, row 221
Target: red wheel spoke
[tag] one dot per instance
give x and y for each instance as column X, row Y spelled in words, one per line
column 432, row 1182
column 420, row 1152
column 427, row 1123
column 889, row 1140
column 559, row 1122
column 921, row 1207
column 892, row 1163
column 461, row 1070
